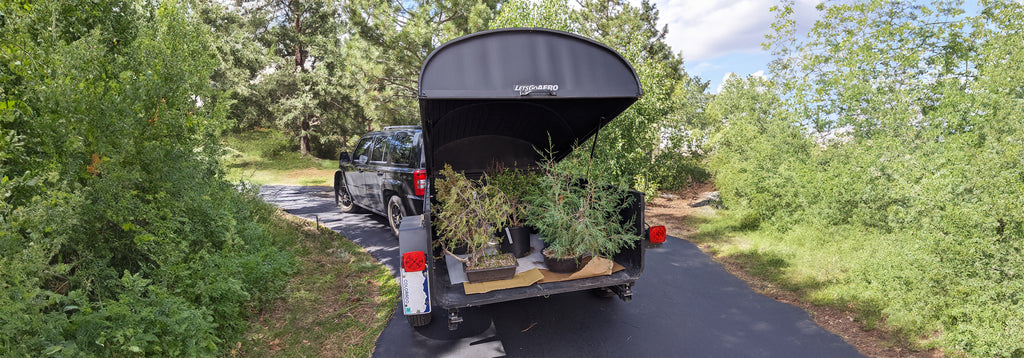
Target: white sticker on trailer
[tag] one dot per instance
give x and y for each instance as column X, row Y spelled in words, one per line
column 415, row 292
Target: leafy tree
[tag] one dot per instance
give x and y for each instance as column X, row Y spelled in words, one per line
column 242, row 61
column 550, row 14
column 303, row 35
column 899, row 121
column 118, row 235
column 388, row 42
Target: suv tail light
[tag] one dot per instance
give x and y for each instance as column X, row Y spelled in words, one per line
column 419, row 182
column 656, row 234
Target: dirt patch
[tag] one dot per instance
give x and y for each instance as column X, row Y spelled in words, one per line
column 673, row 210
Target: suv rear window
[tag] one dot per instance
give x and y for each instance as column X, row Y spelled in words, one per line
column 403, row 149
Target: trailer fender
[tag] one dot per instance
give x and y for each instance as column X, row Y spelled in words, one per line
column 414, row 273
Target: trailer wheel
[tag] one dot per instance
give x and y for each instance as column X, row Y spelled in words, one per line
column 418, row 320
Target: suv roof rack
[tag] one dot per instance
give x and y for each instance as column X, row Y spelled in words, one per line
column 391, row 128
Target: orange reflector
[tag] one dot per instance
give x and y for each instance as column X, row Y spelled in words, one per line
column 656, row 234
column 414, row 261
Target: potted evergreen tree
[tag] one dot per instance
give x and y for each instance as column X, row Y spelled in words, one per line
column 515, row 184
column 467, row 214
column 578, row 219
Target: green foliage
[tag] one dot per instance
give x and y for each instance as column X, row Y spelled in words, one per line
column 577, row 217
column 758, row 153
column 517, row 185
column 388, row 41
column 891, row 137
column 549, row 14
column 468, row 213
column 118, row 235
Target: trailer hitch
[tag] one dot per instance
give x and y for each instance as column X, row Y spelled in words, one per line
column 454, row 318
column 624, row 291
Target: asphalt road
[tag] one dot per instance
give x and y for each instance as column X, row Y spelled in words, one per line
column 684, row 305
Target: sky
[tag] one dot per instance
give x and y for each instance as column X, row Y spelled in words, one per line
column 718, row 37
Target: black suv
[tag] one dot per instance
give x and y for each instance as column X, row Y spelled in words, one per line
column 384, row 174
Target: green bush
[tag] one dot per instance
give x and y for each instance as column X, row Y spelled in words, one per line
column 901, row 199
column 118, row 235
column 578, row 217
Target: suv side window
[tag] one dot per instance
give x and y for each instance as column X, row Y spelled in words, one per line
column 362, row 149
column 402, row 149
column 377, row 154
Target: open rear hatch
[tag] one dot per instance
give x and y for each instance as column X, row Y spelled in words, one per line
column 505, row 96
column 498, row 96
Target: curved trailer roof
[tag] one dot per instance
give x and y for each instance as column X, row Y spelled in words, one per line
column 497, row 95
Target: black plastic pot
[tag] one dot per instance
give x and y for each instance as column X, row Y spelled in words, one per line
column 565, row 265
column 520, row 245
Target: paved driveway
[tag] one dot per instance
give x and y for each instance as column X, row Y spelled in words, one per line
column 684, row 305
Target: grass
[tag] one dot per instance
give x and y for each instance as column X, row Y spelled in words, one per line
column 269, row 157
column 919, row 287
column 335, row 306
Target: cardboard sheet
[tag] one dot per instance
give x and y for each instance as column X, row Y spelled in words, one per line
column 521, row 279
column 597, row 266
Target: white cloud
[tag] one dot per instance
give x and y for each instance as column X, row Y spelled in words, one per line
column 759, row 74
column 706, row 29
column 725, row 78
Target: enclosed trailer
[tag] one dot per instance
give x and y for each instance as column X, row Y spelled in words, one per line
column 498, row 96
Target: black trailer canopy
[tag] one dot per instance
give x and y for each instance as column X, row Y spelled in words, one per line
column 495, row 96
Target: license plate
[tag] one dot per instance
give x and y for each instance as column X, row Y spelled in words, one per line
column 415, row 292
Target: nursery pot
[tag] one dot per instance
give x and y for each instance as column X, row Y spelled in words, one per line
column 565, row 265
column 520, row 245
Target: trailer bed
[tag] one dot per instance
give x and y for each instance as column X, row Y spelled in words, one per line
column 453, row 296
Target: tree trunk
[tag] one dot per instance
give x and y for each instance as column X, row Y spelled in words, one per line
column 300, row 60
column 304, row 138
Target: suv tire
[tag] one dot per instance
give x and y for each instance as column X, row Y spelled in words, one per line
column 344, row 201
column 395, row 212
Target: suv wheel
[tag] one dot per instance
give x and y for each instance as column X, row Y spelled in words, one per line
column 395, row 213
column 344, row 201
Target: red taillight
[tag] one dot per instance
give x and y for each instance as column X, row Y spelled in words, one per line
column 656, row 234
column 419, row 182
column 414, row 261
